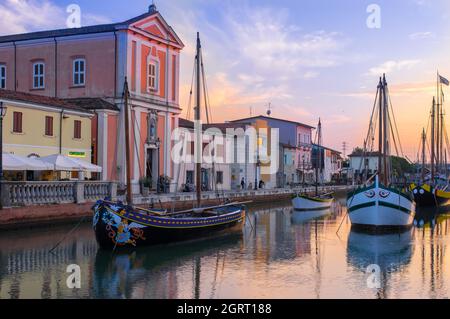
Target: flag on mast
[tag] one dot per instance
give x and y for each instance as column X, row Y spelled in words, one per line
column 443, row 80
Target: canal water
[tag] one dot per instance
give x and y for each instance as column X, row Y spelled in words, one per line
column 278, row 254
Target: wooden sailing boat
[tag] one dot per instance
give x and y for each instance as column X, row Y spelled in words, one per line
column 119, row 225
column 434, row 188
column 317, row 201
column 378, row 204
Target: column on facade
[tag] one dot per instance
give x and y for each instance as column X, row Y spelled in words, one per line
column 102, row 146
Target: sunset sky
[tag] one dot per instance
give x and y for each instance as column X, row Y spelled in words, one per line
column 308, row 58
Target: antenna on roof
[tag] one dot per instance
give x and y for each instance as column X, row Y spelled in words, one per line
column 269, row 111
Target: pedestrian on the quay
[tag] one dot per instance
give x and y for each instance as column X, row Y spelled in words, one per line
column 243, row 183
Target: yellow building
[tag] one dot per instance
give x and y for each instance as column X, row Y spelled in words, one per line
column 40, row 126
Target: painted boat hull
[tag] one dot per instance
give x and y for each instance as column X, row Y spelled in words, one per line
column 380, row 207
column 118, row 226
column 307, row 203
column 427, row 196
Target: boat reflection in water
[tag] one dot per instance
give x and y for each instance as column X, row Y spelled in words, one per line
column 389, row 251
column 302, row 217
column 149, row 272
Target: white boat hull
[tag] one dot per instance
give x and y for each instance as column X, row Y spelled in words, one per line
column 305, row 203
column 379, row 206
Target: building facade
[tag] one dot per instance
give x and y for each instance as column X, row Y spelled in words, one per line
column 93, row 62
column 330, row 163
column 294, row 137
column 37, row 126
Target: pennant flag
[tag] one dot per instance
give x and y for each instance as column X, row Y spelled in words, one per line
column 444, row 80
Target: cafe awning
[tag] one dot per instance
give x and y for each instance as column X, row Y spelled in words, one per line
column 88, row 167
column 12, row 162
column 66, row 163
column 63, row 163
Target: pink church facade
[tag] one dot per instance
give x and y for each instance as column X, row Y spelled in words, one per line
column 89, row 65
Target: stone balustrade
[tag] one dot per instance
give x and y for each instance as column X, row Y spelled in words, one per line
column 41, row 193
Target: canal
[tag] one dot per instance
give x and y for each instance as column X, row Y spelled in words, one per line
column 278, row 254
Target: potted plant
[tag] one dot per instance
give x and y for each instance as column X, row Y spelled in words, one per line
column 145, row 184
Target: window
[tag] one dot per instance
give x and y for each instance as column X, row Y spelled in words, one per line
column 189, row 177
column 219, row 177
column 2, row 76
column 49, row 125
column 38, row 75
column 79, row 72
column 17, row 122
column 77, row 129
column 152, row 76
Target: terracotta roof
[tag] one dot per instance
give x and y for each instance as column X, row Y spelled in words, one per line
column 9, row 95
column 93, row 104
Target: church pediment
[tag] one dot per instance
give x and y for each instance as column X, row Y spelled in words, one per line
column 157, row 26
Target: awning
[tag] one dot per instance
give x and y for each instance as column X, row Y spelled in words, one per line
column 88, row 167
column 65, row 163
column 13, row 162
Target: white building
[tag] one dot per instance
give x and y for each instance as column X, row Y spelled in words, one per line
column 360, row 164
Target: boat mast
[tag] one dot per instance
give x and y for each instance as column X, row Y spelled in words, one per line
column 386, row 179
column 424, row 141
column 198, row 131
column 126, row 94
column 380, row 131
column 433, row 161
column 319, row 155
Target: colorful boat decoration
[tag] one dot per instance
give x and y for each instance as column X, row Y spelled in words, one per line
column 378, row 205
column 125, row 226
column 426, row 195
column 118, row 225
column 305, row 202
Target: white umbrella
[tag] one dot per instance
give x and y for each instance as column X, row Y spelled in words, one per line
column 88, row 167
column 63, row 163
column 13, row 162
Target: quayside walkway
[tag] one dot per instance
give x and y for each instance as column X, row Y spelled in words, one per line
column 43, row 204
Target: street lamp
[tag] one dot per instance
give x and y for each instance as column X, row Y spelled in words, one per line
column 3, row 109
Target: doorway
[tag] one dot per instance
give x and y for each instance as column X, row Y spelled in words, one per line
column 151, row 166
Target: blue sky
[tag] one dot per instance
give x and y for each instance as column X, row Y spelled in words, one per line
column 309, row 58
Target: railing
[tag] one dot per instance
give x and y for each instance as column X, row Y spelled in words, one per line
column 40, row 193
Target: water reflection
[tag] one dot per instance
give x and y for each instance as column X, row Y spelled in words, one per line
column 280, row 253
column 389, row 252
column 128, row 274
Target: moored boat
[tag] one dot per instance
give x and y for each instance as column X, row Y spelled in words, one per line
column 118, row 225
column 433, row 188
column 319, row 200
column 378, row 205
column 306, row 202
